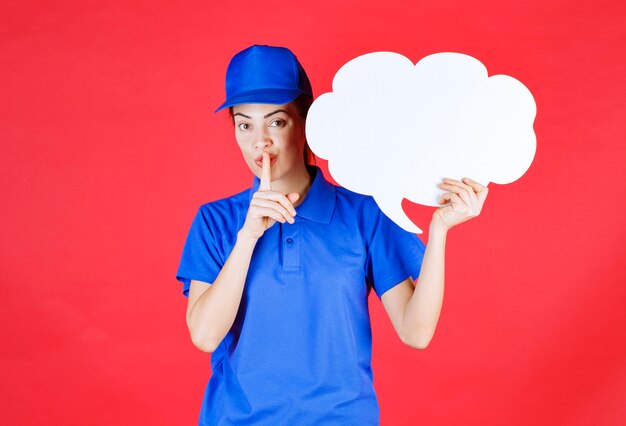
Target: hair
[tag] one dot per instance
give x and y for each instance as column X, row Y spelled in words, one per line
column 302, row 104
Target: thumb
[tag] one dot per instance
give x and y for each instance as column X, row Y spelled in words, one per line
column 293, row 196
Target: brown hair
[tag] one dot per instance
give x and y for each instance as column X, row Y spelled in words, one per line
column 302, row 104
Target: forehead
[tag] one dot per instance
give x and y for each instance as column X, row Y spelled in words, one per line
column 260, row 110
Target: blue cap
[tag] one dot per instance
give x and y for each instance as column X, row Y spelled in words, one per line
column 264, row 75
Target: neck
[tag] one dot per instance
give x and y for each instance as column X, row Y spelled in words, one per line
column 299, row 180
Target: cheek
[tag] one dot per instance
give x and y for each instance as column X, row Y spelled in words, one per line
column 298, row 139
column 245, row 152
column 242, row 144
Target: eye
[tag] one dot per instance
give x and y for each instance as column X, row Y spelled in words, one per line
column 277, row 123
column 243, row 126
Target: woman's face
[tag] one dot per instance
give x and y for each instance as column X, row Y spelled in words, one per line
column 277, row 129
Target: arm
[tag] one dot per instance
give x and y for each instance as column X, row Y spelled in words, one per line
column 414, row 312
column 211, row 309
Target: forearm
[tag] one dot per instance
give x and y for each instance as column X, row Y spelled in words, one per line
column 213, row 314
column 422, row 311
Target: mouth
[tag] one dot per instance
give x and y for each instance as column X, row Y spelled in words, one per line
column 259, row 160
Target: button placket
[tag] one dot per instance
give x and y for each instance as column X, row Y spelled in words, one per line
column 291, row 246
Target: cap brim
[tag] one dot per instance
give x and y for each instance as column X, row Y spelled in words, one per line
column 263, row 96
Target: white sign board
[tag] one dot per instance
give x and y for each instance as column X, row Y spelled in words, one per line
column 393, row 129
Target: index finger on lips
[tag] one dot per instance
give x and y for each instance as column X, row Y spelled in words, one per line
column 266, row 176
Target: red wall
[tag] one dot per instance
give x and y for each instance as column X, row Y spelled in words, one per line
column 110, row 144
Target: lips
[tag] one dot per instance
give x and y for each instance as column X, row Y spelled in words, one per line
column 259, row 160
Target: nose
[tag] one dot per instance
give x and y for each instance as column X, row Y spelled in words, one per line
column 262, row 140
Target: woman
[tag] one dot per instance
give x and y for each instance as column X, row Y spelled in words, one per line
column 283, row 307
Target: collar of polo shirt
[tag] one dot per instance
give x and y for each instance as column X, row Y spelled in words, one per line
column 319, row 203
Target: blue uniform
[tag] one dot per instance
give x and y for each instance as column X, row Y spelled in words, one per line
column 299, row 351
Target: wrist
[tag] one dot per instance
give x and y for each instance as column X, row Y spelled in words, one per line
column 437, row 227
column 245, row 238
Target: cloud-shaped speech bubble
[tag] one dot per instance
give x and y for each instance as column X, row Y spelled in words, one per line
column 393, row 130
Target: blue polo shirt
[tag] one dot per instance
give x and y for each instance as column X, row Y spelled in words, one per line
column 299, row 351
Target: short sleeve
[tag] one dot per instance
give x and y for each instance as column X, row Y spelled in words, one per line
column 393, row 255
column 201, row 259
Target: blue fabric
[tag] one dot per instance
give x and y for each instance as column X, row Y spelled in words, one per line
column 299, row 351
column 264, row 74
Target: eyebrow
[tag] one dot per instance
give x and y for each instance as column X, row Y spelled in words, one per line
column 265, row 116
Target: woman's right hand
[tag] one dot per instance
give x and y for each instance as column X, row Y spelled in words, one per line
column 267, row 206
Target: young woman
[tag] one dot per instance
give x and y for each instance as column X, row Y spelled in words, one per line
column 278, row 275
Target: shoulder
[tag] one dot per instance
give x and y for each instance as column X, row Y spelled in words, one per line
column 372, row 222
column 358, row 203
column 233, row 202
column 224, row 213
column 359, row 209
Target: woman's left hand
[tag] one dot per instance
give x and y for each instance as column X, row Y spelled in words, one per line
column 466, row 201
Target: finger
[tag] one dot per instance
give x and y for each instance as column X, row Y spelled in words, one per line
column 481, row 190
column 460, row 184
column 477, row 187
column 293, row 197
column 465, row 192
column 278, row 197
column 455, row 182
column 445, row 207
column 455, row 201
column 268, row 212
column 260, row 202
column 266, row 177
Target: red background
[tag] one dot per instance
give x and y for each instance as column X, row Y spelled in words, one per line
column 110, row 144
